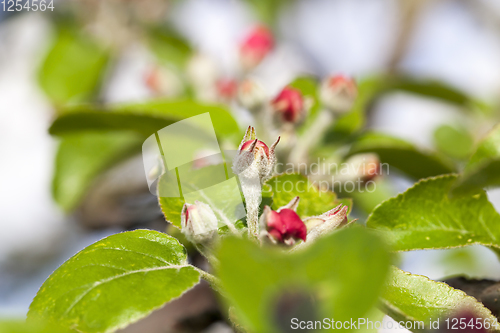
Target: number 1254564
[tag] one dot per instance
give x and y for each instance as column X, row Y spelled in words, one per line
column 27, row 5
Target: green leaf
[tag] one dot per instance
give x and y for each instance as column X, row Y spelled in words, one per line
column 425, row 217
column 21, row 326
column 354, row 121
column 402, row 155
column 308, row 86
column 169, row 46
column 326, row 280
column 453, row 141
column 410, row 297
column 115, row 282
column 145, row 118
column 482, row 169
column 81, row 157
column 73, row 68
column 430, row 88
column 312, row 201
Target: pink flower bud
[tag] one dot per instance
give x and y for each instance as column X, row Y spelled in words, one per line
column 226, row 89
column 163, row 81
column 338, row 93
column 255, row 46
column 330, row 220
column 289, row 106
column 255, row 158
column 284, row 225
column 198, row 222
column 251, row 95
column 362, row 166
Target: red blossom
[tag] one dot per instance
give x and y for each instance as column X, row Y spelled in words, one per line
column 255, row 46
column 289, row 104
column 259, row 148
column 285, row 226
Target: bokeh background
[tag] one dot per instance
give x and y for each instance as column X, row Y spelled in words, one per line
column 118, row 51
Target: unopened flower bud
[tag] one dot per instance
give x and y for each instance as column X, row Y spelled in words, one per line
column 255, row 159
column 284, row 225
column 288, row 106
column 328, row 221
column 255, row 46
column 338, row 93
column 251, row 95
column 254, row 164
column 163, row 82
column 364, row 167
column 198, row 221
column 226, row 89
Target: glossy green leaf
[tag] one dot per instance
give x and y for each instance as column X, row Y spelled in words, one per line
column 453, row 141
column 402, row 155
column 425, row 217
column 482, row 170
column 81, row 157
column 410, row 297
column 326, row 280
column 115, row 282
column 73, row 68
column 312, row 200
column 145, row 118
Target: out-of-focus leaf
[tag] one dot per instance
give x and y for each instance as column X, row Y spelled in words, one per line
column 308, row 86
column 73, row 68
column 371, row 195
column 115, row 282
column 82, row 156
column 353, row 121
column 425, row 217
column 410, row 297
column 482, row 170
column 327, row 280
column 169, row 46
column 402, row 155
column 453, row 141
column 312, row 201
column 430, row 88
column 145, row 118
column 267, row 11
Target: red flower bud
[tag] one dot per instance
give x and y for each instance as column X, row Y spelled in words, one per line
column 284, row 225
column 255, row 46
column 259, row 148
column 289, row 106
column 260, row 163
column 226, row 89
column 338, row 93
